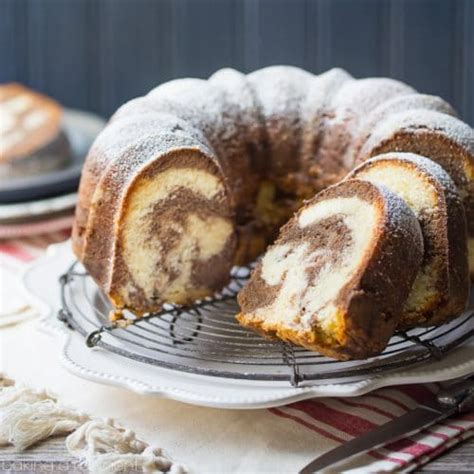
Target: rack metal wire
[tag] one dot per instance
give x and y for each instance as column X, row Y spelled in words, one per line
column 204, row 338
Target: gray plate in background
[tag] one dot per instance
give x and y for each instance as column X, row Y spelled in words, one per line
column 81, row 128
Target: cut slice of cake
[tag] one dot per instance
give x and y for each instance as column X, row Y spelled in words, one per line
column 31, row 139
column 441, row 288
column 443, row 138
column 336, row 278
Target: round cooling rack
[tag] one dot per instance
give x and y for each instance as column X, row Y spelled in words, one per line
column 205, row 339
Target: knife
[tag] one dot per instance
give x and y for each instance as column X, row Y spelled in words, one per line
column 456, row 398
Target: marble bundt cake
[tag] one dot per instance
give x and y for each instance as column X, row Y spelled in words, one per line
column 334, row 278
column 441, row 288
column 200, row 174
column 31, row 139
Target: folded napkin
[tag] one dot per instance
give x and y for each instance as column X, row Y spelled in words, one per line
column 29, row 416
column 208, row 440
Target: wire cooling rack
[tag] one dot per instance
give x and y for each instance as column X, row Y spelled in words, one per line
column 205, row 338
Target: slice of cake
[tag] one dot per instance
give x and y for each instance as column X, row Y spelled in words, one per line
column 31, row 139
column 444, row 139
column 336, row 278
column 441, row 288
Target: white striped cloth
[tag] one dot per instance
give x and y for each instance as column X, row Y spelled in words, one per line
column 335, row 419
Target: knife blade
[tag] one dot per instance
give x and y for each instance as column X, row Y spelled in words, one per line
column 456, row 398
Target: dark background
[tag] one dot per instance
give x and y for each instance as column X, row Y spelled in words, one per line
column 95, row 54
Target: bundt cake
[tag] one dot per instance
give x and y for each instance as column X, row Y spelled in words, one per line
column 441, row 288
column 334, row 278
column 199, row 175
column 31, row 139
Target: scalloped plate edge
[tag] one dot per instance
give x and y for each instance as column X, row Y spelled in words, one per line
column 274, row 397
column 59, row 255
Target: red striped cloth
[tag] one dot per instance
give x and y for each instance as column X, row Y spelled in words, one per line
column 341, row 419
column 27, row 249
column 335, row 419
column 25, row 229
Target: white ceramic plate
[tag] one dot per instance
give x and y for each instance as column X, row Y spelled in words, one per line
column 41, row 282
column 43, row 207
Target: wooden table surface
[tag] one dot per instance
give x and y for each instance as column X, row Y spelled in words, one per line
column 51, row 456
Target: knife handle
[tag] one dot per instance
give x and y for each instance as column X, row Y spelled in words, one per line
column 460, row 395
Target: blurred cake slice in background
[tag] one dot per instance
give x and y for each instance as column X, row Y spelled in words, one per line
column 31, row 139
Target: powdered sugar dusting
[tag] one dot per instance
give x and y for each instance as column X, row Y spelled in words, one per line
column 400, row 218
column 423, row 120
column 280, row 89
column 408, row 102
column 286, row 106
column 280, row 93
column 320, row 93
column 363, row 95
column 400, row 104
column 196, row 101
column 426, row 165
column 239, row 94
column 120, row 134
column 353, row 101
column 229, row 111
column 145, row 150
column 322, row 89
column 209, row 107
